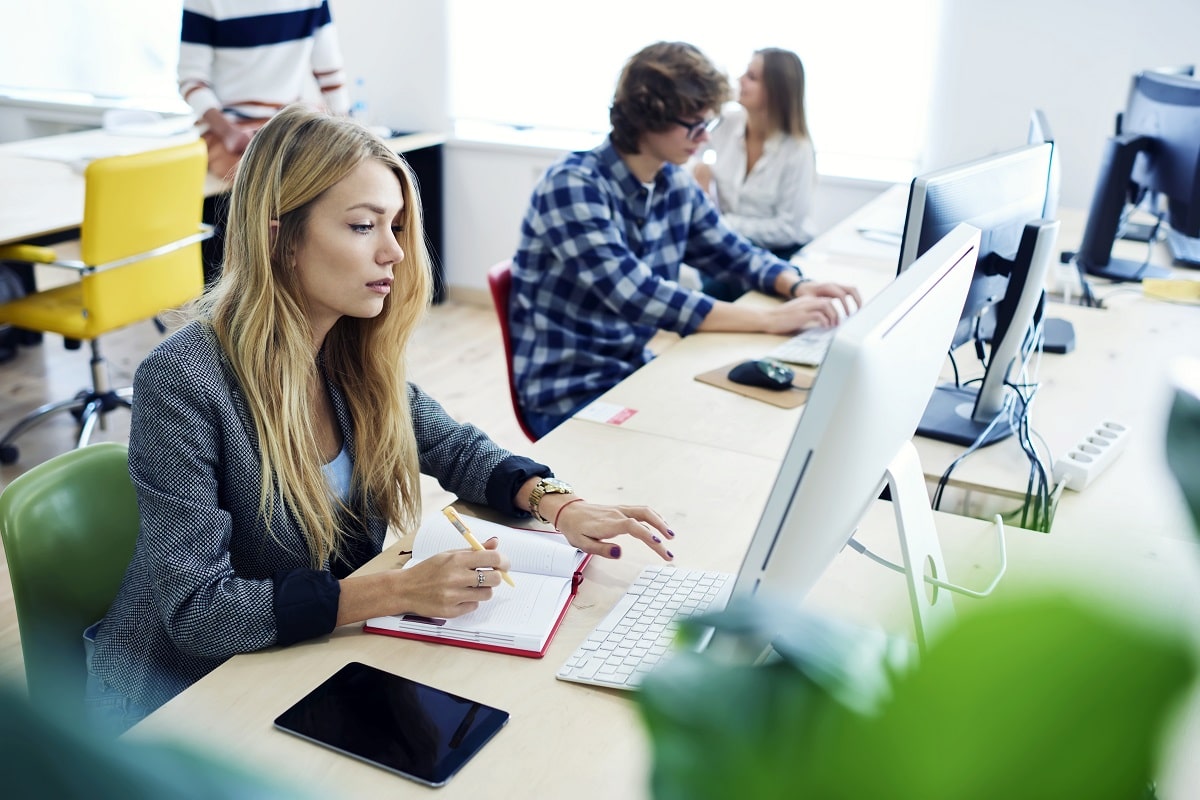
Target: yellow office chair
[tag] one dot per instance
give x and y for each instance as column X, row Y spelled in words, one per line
column 68, row 525
column 140, row 248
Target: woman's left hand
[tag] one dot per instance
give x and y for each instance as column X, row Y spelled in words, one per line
column 589, row 526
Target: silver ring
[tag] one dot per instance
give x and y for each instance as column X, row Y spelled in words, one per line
column 479, row 579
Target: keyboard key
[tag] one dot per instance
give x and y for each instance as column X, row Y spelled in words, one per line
column 637, row 633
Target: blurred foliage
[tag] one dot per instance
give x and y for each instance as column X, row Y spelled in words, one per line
column 1044, row 696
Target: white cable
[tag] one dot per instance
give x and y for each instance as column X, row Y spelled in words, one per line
column 950, row 587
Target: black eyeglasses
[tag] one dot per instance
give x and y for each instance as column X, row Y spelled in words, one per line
column 696, row 129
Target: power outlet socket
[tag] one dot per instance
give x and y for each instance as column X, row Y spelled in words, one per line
column 1091, row 456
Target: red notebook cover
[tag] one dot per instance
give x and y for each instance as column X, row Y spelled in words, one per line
column 576, row 579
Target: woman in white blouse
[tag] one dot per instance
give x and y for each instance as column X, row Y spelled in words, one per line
column 760, row 164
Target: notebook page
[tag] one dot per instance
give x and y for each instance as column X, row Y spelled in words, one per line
column 528, row 551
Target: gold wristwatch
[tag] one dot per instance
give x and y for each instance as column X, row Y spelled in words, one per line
column 544, row 487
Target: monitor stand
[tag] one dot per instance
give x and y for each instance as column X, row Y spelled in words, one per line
column 921, row 552
column 949, row 418
column 1058, row 335
column 922, row 565
column 1139, row 231
column 1127, row 270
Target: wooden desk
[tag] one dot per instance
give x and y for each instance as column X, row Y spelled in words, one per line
column 570, row 740
column 1117, row 372
column 692, row 456
column 542, row 752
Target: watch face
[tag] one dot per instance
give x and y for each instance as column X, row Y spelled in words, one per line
column 555, row 486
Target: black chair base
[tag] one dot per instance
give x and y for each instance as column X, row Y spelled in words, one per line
column 88, row 408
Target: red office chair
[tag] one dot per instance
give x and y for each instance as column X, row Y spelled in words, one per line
column 500, row 282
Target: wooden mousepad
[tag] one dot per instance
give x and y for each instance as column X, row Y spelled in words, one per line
column 791, row 398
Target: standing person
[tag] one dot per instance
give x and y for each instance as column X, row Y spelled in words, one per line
column 759, row 165
column 596, row 271
column 238, row 65
column 275, row 438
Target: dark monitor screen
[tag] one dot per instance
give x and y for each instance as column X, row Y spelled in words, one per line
column 997, row 194
column 1156, row 152
column 1165, row 109
column 1005, row 196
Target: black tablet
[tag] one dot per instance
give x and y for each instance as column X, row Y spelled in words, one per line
column 393, row 722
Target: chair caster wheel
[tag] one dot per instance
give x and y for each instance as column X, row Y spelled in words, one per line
column 8, row 454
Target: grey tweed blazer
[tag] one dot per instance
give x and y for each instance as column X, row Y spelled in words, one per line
column 202, row 581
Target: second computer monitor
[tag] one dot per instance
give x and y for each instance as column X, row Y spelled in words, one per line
column 1157, row 153
column 1005, row 196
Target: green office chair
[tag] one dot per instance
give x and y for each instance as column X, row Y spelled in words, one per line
column 68, row 526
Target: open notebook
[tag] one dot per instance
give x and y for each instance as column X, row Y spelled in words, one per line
column 519, row 620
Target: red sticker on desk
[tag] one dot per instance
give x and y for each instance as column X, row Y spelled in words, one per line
column 608, row 413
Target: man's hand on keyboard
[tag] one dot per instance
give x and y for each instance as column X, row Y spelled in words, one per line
column 801, row 314
column 845, row 296
column 816, row 305
column 589, row 526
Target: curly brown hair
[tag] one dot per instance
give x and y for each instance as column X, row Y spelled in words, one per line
column 663, row 82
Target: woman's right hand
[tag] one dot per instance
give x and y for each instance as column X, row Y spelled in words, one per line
column 451, row 583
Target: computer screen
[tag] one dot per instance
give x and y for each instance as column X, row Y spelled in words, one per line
column 1005, row 196
column 1039, row 132
column 1157, row 154
column 855, row 434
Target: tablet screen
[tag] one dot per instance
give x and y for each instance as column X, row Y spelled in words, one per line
column 407, row 727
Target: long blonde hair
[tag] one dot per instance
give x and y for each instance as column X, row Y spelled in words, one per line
column 257, row 310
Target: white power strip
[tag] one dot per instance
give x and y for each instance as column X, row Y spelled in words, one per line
column 1091, row 456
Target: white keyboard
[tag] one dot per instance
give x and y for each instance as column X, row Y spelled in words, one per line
column 806, row 348
column 640, row 629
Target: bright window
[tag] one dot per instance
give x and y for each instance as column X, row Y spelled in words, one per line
column 105, row 48
column 543, row 63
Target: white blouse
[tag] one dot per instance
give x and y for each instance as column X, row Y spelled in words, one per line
column 770, row 206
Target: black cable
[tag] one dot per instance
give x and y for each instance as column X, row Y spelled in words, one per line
column 954, row 366
column 1036, row 510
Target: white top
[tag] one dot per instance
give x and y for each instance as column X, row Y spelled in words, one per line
column 770, row 206
column 338, row 474
column 257, row 69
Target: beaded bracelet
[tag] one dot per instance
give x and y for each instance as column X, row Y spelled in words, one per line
column 560, row 510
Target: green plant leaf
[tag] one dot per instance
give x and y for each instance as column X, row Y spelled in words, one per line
column 1038, row 697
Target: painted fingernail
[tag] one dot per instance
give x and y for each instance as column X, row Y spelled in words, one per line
column 615, row 552
column 670, row 533
column 655, row 539
column 670, row 554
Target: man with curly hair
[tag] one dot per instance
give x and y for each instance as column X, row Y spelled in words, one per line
column 596, row 272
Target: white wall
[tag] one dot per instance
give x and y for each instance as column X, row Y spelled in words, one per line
column 1072, row 58
column 997, row 61
column 400, row 49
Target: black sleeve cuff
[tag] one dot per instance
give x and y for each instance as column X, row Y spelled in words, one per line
column 507, row 477
column 306, row 605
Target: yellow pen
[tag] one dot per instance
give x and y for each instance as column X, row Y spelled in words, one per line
column 452, row 515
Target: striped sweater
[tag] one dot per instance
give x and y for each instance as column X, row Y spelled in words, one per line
column 253, row 57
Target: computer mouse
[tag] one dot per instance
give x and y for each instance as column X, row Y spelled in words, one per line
column 763, row 372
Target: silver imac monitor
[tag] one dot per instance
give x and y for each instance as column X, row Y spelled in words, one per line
column 1005, row 196
column 855, row 436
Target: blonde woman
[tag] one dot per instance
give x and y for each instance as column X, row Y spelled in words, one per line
column 275, row 438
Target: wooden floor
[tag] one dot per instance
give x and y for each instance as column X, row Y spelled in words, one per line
column 457, row 356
